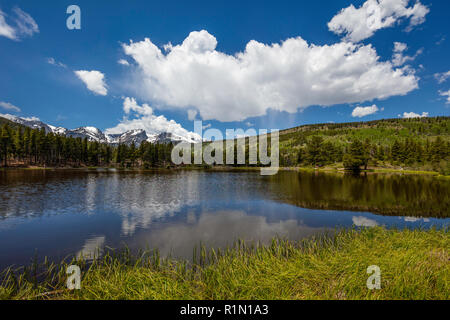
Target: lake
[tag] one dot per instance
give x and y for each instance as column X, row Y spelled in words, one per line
column 61, row 213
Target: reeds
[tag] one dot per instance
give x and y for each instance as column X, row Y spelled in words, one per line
column 414, row 265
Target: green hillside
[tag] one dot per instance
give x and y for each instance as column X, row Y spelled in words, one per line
column 417, row 143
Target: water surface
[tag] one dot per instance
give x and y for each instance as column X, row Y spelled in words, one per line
column 58, row 213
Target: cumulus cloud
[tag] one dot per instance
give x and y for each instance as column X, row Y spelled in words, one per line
column 398, row 58
column 360, row 112
column 23, row 25
column 445, row 94
column 9, row 106
column 410, row 115
column 123, row 62
column 94, row 80
column 357, row 24
column 442, row 77
column 142, row 117
column 289, row 76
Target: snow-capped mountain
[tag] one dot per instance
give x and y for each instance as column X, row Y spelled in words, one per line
column 32, row 122
column 92, row 133
column 136, row 136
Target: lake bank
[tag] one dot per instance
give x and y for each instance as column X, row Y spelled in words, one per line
column 413, row 263
column 335, row 169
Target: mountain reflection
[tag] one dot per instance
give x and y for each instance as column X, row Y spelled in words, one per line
column 57, row 213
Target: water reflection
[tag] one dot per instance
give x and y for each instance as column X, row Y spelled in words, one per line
column 61, row 213
column 364, row 222
column 387, row 194
column 219, row 230
column 92, row 248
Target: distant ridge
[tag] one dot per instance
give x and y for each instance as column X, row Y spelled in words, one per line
column 358, row 124
column 136, row 136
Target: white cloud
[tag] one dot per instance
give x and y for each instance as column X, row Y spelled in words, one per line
column 361, row 23
column 364, row 222
column 288, row 76
column 94, row 81
column 400, row 47
column 9, row 106
column 130, row 104
column 445, row 94
column 123, row 62
column 398, row 58
column 364, row 111
column 142, row 117
column 442, row 77
column 24, row 25
column 5, row 29
column 410, row 115
column 53, row 62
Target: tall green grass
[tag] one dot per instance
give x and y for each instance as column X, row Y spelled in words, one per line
column 414, row 265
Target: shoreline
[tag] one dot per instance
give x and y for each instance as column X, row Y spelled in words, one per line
column 230, row 168
column 413, row 263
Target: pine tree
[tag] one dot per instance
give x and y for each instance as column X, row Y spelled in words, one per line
column 314, row 150
column 356, row 157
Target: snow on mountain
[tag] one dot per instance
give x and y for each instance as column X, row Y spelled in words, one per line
column 32, row 122
column 58, row 130
column 136, row 136
column 167, row 137
column 129, row 137
column 93, row 134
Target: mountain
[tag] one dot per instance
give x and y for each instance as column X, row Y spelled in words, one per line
column 136, row 136
column 32, row 122
column 133, row 136
column 92, row 133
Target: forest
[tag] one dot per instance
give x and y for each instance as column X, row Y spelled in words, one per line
column 421, row 144
column 418, row 144
column 24, row 146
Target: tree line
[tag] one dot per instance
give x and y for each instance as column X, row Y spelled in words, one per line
column 360, row 154
column 26, row 146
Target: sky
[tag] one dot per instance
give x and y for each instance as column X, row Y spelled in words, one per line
column 159, row 65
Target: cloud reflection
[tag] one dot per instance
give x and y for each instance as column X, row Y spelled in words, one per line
column 92, row 248
column 219, row 229
column 364, row 222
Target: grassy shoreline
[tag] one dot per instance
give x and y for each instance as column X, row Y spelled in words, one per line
column 414, row 265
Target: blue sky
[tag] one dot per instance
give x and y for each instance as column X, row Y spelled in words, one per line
column 267, row 87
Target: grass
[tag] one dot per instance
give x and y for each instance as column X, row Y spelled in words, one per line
column 414, row 265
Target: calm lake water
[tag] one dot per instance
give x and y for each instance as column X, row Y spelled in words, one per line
column 58, row 213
